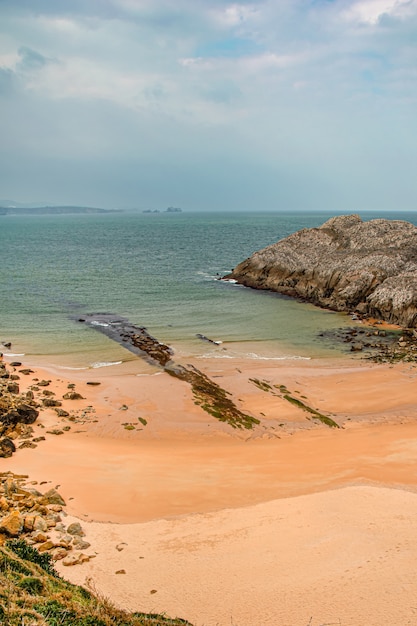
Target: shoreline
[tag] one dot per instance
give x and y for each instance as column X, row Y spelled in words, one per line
column 229, row 521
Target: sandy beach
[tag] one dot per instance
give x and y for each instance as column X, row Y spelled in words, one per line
column 291, row 523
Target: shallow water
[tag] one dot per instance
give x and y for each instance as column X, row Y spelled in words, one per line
column 160, row 271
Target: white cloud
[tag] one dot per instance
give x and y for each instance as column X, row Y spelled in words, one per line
column 270, row 84
column 371, row 11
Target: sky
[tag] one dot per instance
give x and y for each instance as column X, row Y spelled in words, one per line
column 209, row 104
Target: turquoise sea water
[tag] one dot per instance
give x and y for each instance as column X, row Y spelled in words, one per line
column 158, row 270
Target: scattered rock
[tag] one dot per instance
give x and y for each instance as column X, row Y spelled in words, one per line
column 75, row 529
column 76, row 559
column 12, row 524
column 27, row 444
column 51, row 402
column 73, row 395
column 7, row 447
column 52, row 497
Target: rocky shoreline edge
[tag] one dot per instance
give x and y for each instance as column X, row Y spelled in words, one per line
column 368, row 268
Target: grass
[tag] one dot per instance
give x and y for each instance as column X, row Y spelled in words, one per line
column 32, row 593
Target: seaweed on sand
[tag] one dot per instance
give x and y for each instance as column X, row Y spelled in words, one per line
column 211, row 397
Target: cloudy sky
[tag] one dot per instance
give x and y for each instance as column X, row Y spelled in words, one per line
column 209, row 104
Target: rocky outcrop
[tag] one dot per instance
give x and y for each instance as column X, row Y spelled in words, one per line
column 134, row 338
column 27, row 514
column 17, row 412
column 344, row 265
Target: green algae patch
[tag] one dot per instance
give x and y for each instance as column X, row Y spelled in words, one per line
column 263, row 385
column 285, row 394
column 323, row 418
column 211, row 397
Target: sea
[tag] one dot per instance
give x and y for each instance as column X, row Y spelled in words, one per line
column 161, row 271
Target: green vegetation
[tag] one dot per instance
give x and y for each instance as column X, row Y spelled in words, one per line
column 323, row 418
column 32, row 592
column 212, row 398
column 262, row 384
column 285, row 394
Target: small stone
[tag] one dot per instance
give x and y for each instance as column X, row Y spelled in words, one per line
column 55, row 431
column 27, row 444
column 51, row 402
column 91, row 382
column 12, row 524
column 72, row 395
column 39, row 537
column 47, row 545
column 79, row 544
column 121, row 546
column 59, row 553
column 40, row 524
column 7, row 447
column 76, row 559
column 75, row 529
column 56, row 508
column 4, row 505
column 52, row 497
column 120, row 571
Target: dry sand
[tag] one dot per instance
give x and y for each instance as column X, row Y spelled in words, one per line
column 292, row 524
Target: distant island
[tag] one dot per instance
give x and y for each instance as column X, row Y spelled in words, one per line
column 170, row 209
column 53, row 210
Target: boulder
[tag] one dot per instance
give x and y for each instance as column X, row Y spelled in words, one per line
column 344, row 265
column 20, row 414
column 7, row 447
column 12, row 524
column 75, row 529
column 52, row 497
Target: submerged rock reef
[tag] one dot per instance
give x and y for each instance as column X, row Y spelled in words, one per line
column 344, row 265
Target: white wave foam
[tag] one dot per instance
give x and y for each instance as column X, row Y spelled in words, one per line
column 105, row 364
column 64, row 367
column 10, row 354
column 154, row 374
column 95, row 323
column 253, row 356
column 258, row 357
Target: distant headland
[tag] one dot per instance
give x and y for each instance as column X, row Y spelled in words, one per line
column 53, row 210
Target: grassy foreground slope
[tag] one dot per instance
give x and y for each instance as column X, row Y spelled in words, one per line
column 33, row 594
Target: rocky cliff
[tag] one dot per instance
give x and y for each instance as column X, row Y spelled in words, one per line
column 344, row 265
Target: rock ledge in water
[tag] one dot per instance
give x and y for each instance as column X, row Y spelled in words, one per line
column 344, row 265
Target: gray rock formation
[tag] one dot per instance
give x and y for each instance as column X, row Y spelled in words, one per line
column 344, row 265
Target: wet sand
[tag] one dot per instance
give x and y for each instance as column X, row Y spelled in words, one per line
column 292, row 523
